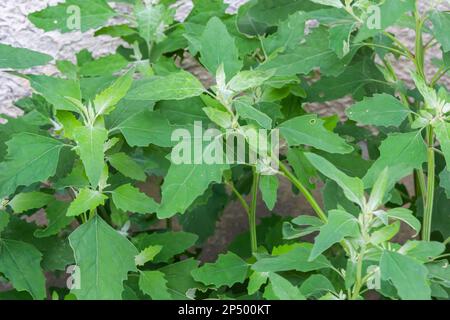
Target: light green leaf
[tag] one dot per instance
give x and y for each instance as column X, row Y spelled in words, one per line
column 90, row 142
column 310, row 130
column 268, row 185
column 314, row 53
column 145, row 128
column 294, row 259
column 352, row 186
column 442, row 130
column 226, row 271
column 57, row 219
column 31, row 158
column 256, row 280
column 20, row 262
column 332, row 3
column 127, row 166
column 63, row 17
column 282, row 289
column 249, row 79
column 407, row 275
column 422, row 250
column 379, row 110
column 441, row 25
column 174, row 86
column 106, row 100
column 146, row 255
column 340, row 225
column 184, row 183
column 378, row 191
column 129, row 198
column 29, row 200
column 401, row 152
column 316, row 285
column 4, row 220
column 104, row 258
column 21, row 58
column 248, row 112
column 340, row 37
column 221, row 118
column 179, row 279
column 55, row 91
column 103, row 66
column 87, row 199
column 219, row 47
column 444, row 181
column 384, row 234
column 154, row 284
column 151, row 20
column 406, row 216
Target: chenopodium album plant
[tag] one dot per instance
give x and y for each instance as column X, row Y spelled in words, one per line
column 94, row 142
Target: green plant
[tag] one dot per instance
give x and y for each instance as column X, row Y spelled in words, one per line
column 93, row 139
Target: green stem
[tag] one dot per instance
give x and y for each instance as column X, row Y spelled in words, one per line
column 359, row 282
column 240, row 197
column 427, row 218
column 252, row 212
column 309, row 197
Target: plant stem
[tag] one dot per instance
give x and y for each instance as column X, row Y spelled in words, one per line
column 240, row 197
column 359, row 282
column 252, row 212
column 309, row 197
column 428, row 214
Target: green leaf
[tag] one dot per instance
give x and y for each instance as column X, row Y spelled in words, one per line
column 129, row 198
column 104, row 258
column 442, row 130
column 407, row 275
column 104, row 66
column 406, row 216
column 184, row 183
column 179, row 279
column 55, row 91
column 294, row 259
column 93, row 14
column 145, row 128
column 444, row 181
column 282, row 289
column 86, row 200
column 221, row 118
column 127, row 166
column 352, row 186
column 340, row 225
column 226, row 271
column 151, row 20
column 4, row 220
column 20, row 262
column 174, row 86
column 333, row 3
column 90, row 142
column 385, row 233
column 57, row 219
column 21, row 58
column 219, row 47
column 269, row 190
column 401, row 152
column 378, row 192
column 423, row 250
column 105, row 101
column 390, row 12
column 146, row 255
column 31, row 158
column 249, row 79
column 310, row 130
column 379, row 110
column 256, row 280
column 441, row 25
column 154, row 284
column 314, row 53
column 340, row 37
column 316, row 285
column 248, row 112
column 172, row 243
column 29, row 200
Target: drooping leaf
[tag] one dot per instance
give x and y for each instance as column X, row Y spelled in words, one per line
column 31, row 158
column 57, row 219
column 282, row 289
column 29, row 200
column 379, row 110
column 339, row 226
column 406, row 216
column 407, row 275
column 21, row 58
column 226, row 271
column 310, row 130
column 154, row 284
column 246, row 111
column 256, row 280
column 352, row 186
column 20, row 262
column 269, row 190
column 86, row 200
column 90, row 142
column 104, row 258
column 146, row 255
column 174, row 86
column 127, row 166
column 129, row 198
